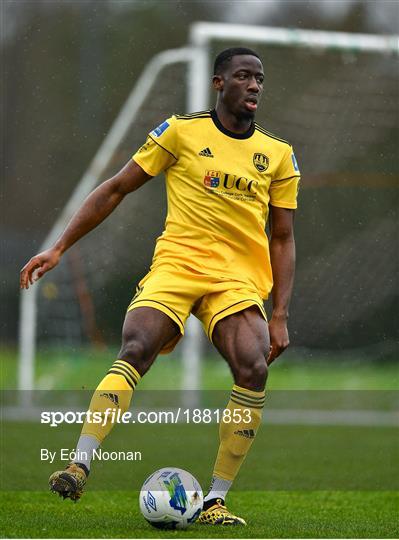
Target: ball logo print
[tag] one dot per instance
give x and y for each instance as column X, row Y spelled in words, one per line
column 151, row 501
column 261, row 162
column 171, row 498
column 178, row 497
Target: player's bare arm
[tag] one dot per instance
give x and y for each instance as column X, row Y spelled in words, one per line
column 282, row 254
column 97, row 206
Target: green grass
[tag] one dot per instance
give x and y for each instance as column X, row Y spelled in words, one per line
column 300, row 458
column 293, row 371
column 103, row 514
column 321, row 481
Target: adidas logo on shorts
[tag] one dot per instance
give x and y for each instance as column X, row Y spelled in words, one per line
column 206, row 152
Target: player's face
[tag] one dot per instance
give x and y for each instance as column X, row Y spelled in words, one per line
column 241, row 85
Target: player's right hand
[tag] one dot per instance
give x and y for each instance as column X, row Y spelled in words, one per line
column 38, row 266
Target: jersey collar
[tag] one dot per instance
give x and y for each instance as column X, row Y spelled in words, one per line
column 220, row 126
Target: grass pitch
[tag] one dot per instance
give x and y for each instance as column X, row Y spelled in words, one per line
column 294, row 370
column 103, row 514
column 338, row 482
column 324, row 481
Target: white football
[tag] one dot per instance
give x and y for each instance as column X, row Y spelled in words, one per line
column 171, row 499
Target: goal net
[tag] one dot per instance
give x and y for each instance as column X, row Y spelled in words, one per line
column 334, row 97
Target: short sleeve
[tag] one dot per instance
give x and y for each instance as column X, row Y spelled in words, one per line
column 160, row 150
column 284, row 186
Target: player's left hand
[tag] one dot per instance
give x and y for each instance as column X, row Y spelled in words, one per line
column 279, row 339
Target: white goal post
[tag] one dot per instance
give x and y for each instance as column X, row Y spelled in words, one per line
column 197, row 58
column 202, row 34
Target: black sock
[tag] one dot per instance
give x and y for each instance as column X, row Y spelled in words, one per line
column 83, row 466
column 212, row 502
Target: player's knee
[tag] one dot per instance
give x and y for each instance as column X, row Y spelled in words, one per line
column 133, row 349
column 137, row 352
column 252, row 375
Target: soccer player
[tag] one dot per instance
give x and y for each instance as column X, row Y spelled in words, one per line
column 224, row 175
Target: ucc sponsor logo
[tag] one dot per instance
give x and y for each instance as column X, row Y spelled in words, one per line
column 215, row 179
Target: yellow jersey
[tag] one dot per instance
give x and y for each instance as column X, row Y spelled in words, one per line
column 219, row 187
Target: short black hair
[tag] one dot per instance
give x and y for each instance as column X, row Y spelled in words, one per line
column 224, row 57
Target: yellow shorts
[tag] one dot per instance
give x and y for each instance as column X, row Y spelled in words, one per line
column 178, row 291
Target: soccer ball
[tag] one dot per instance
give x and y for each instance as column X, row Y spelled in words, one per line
column 171, row 499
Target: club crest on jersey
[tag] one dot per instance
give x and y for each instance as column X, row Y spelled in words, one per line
column 212, row 179
column 160, row 129
column 261, row 162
